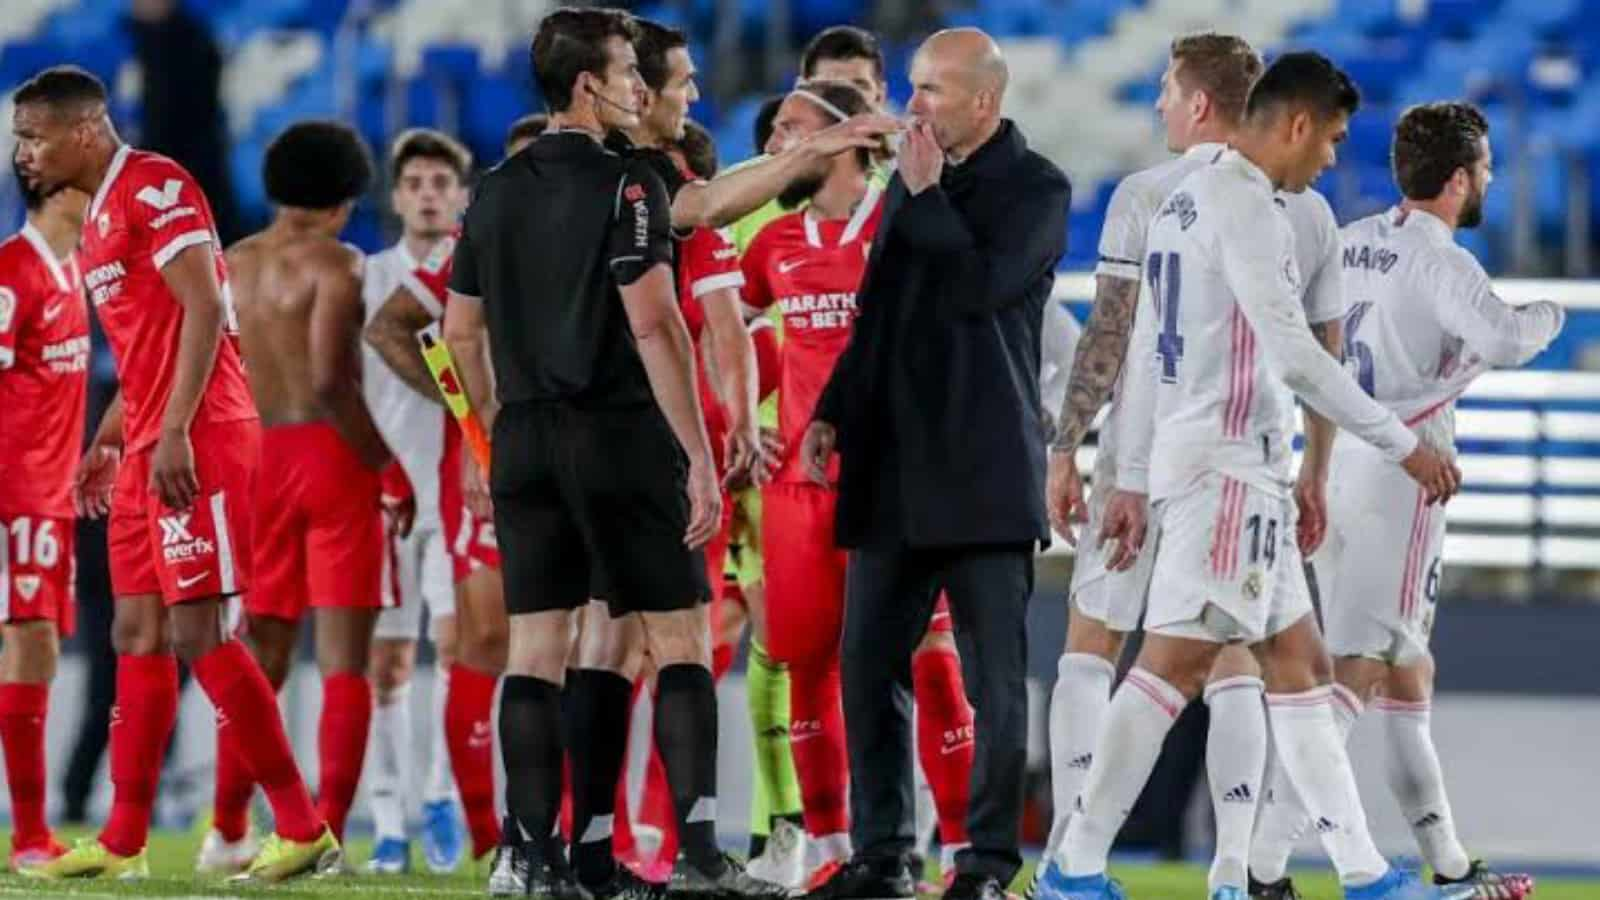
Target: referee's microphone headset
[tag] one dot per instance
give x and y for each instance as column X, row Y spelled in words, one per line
column 632, row 111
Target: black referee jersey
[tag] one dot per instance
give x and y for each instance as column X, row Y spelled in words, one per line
column 550, row 235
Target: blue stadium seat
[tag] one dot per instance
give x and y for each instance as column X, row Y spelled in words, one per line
column 488, row 106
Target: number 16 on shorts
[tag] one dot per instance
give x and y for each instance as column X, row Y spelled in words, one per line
column 36, row 569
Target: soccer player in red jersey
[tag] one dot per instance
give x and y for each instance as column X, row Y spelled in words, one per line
column 180, row 533
column 44, row 364
column 481, row 624
column 318, row 524
column 808, row 263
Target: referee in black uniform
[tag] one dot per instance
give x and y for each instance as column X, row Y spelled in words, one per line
column 563, row 282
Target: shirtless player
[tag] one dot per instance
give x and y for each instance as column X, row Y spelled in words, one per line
column 319, row 538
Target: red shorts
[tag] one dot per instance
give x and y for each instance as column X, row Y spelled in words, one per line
column 941, row 622
column 318, row 525
column 471, row 540
column 188, row 554
column 804, row 572
column 38, row 571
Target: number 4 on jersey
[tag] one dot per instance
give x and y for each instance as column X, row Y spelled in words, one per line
column 1164, row 271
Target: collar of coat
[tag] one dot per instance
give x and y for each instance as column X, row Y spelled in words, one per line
column 992, row 160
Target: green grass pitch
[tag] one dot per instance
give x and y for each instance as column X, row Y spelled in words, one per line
column 172, row 862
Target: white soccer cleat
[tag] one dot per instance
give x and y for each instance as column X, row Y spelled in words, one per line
column 218, row 856
column 783, row 862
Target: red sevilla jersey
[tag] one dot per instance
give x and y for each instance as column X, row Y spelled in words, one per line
column 44, row 374
column 707, row 261
column 148, row 209
column 811, row 271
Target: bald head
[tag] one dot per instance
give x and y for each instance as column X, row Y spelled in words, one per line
column 971, row 52
column 958, row 79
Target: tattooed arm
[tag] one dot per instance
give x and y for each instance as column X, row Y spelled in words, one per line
column 1095, row 368
column 1310, row 491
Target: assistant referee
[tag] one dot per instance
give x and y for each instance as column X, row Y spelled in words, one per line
column 563, row 280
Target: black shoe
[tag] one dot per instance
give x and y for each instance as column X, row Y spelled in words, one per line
column 1491, row 885
column 868, row 879
column 975, row 886
column 1282, row 889
column 723, row 879
column 624, row 885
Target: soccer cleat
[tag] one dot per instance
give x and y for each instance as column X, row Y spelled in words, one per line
column 89, row 858
column 974, row 886
column 1228, row 892
column 1282, row 889
column 508, row 875
column 391, row 856
column 220, row 856
column 281, row 859
column 868, row 879
column 725, row 879
column 783, row 861
column 1491, row 885
column 625, row 885
column 444, row 837
column 1401, row 885
column 1055, row 884
column 32, row 857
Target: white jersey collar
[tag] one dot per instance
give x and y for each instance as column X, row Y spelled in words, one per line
column 35, row 239
column 1251, row 171
column 1420, row 220
column 852, row 229
column 112, row 171
column 1209, row 151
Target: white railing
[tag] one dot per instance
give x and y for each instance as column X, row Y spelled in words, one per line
column 1529, row 444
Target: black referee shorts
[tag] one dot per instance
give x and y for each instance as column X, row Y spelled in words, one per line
column 592, row 503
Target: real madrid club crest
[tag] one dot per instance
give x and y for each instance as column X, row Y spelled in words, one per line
column 1252, row 585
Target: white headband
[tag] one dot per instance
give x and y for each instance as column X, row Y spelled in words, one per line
column 818, row 99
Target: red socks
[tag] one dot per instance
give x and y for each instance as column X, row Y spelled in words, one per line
column 22, row 714
column 141, row 723
column 246, row 705
column 230, row 814
column 816, row 736
column 944, row 738
column 469, row 731
column 342, row 744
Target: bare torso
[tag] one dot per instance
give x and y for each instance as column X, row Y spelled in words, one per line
column 288, row 305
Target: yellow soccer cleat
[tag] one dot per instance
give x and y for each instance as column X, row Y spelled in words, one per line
column 89, row 858
column 281, row 860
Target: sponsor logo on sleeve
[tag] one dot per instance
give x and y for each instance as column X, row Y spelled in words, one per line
column 163, row 199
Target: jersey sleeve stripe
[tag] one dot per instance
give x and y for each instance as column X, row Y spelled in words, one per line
column 716, row 283
column 1117, row 268
column 178, row 245
column 412, row 283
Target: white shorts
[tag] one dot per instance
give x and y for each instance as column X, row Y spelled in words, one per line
column 1115, row 599
column 418, row 572
column 1378, row 571
column 1226, row 566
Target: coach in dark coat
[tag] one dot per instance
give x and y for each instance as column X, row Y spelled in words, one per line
column 935, row 412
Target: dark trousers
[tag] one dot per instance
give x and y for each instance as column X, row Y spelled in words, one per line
column 889, row 598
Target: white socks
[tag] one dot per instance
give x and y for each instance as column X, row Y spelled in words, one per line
column 1418, row 785
column 1236, row 757
column 441, row 783
column 1137, row 723
column 391, row 764
column 1078, row 706
column 1283, row 819
column 1313, row 756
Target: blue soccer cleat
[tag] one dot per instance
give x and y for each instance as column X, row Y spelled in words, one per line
column 443, row 835
column 1055, row 884
column 391, row 856
column 1401, row 885
column 1228, row 892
